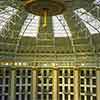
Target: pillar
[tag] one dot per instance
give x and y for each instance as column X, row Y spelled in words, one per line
column 98, row 83
column 76, row 84
column 55, row 84
column 13, row 84
column 34, row 84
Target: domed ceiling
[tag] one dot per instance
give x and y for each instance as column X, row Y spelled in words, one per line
column 74, row 32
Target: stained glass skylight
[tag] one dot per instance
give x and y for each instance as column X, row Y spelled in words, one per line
column 90, row 22
column 60, row 26
column 30, row 27
column 5, row 16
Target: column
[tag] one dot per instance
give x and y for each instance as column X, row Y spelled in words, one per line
column 55, row 84
column 76, row 84
column 98, row 83
column 13, row 84
column 34, row 84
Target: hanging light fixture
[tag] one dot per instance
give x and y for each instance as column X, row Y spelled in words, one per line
column 44, row 8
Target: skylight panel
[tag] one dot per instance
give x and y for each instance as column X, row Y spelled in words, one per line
column 97, row 2
column 60, row 26
column 90, row 22
column 5, row 16
column 30, row 27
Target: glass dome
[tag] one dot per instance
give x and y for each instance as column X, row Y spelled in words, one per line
column 75, row 31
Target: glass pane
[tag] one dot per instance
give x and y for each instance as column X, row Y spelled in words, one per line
column 23, row 84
